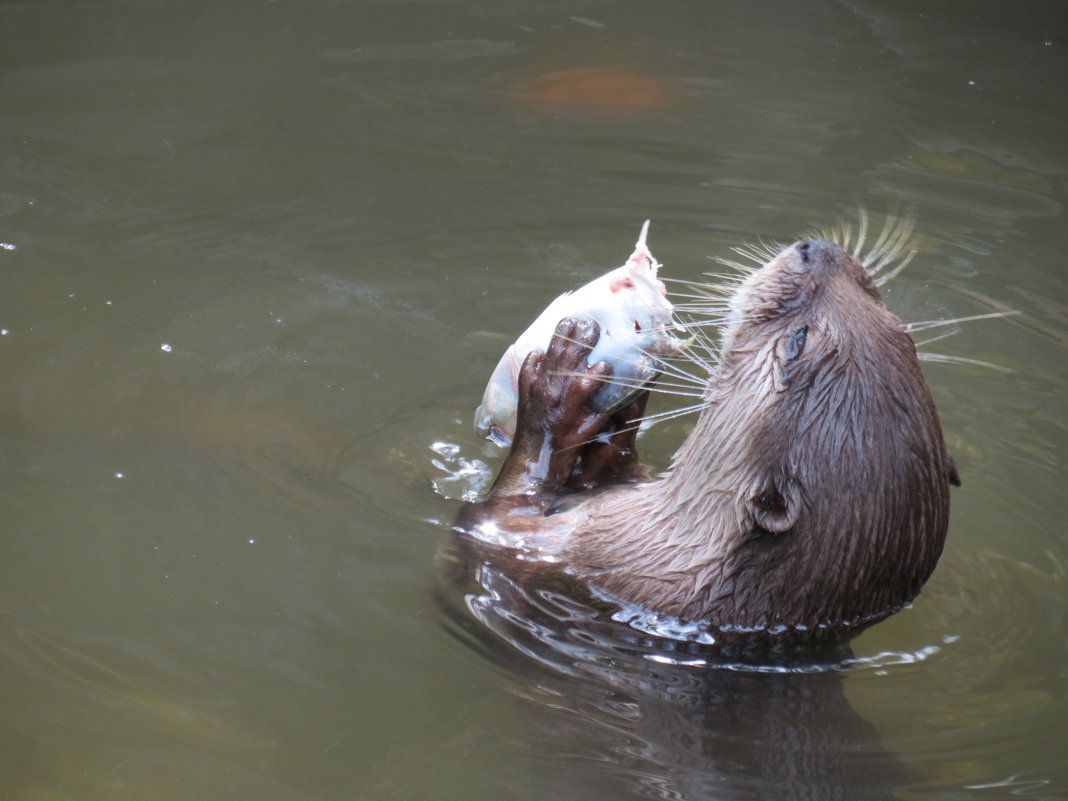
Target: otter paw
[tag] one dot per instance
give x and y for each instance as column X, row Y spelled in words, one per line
column 612, row 458
column 557, row 388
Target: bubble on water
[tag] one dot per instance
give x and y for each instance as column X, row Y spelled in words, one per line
column 464, row 479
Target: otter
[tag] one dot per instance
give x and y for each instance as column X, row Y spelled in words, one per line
column 810, row 500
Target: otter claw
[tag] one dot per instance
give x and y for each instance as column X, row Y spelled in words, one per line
column 575, row 338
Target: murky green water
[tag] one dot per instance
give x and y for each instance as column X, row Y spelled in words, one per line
column 259, row 256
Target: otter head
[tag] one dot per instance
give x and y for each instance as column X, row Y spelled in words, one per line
column 812, row 284
column 818, row 470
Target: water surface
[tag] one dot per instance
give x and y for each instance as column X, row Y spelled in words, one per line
column 258, row 257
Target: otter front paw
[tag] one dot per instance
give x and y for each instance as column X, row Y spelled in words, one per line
column 612, row 458
column 557, row 389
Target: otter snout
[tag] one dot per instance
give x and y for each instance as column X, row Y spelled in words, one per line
column 811, row 250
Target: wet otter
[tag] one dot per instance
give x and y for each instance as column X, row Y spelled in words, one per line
column 811, row 497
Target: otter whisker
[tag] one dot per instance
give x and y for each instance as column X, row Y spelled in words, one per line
column 626, row 383
column 694, row 316
column 862, row 235
column 723, row 287
column 840, row 233
column 705, row 298
column 706, row 322
column 928, row 324
column 880, row 243
column 725, row 282
column 894, row 273
column 722, row 295
column 772, row 249
column 707, row 363
column 661, row 389
column 663, row 366
column 700, row 339
column 697, row 310
column 893, row 231
column 698, row 317
column 673, row 388
column 752, row 253
column 660, row 417
column 645, row 421
column 745, row 269
column 892, row 242
column 690, row 295
column 704, row 304
column 697, row 328
column 673, row 370
column 761, row 252
column 688, row 313
column 843, row 235
column 925, row 326
column 705, row 285
column 712, row 301
column 944, row 335
column 901, row 242
column 669, row 388
column 671, row 414
column 943, row 358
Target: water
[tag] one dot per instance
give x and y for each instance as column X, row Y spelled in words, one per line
column 258, row 257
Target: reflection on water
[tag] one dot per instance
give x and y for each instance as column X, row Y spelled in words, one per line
column 105, row 684
column 602, row 92
column 217, row 560
column 622, row 713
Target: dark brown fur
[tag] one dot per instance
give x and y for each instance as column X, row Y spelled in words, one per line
column 812, row 495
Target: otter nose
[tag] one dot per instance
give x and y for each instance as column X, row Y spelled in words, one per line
column 811, row 249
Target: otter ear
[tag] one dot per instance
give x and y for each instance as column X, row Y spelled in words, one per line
column 775, row 507
column 952, row 473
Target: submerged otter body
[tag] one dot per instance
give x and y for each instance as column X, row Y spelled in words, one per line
column 812, row 496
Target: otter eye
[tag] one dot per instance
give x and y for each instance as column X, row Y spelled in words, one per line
column 796, row 344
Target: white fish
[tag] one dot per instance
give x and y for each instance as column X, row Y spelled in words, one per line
column 630, row 305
